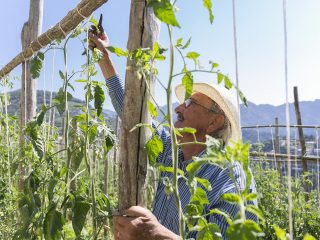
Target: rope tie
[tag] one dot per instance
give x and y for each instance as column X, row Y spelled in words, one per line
column 40, row 43
column 83, row 17
column 64, row 33
column 46, row 33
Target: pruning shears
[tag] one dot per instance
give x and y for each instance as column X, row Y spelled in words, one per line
column 99, row 31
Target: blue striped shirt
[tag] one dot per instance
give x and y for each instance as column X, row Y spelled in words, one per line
column 164, row 207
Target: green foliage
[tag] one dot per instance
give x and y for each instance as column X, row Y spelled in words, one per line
column 187, row 81
column 208, row 5
column 80, row 211
column 273, row 192
column 98, row 99
column 53, row 224
column 154, row 147
column 36, row 65
column 164, row 11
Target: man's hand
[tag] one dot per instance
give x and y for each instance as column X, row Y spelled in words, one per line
column 140, row 224
column 97, row 42
column 106, row 65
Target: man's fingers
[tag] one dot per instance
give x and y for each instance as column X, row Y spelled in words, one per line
column 137, row 211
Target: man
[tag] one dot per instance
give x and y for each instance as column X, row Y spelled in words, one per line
column 211, row 111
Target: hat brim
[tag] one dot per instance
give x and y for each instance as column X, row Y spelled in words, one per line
column 223, row 98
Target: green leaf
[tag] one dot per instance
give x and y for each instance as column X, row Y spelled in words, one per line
column 242, row 97
column 139, row 125
column 187, row 130
column 187, row 82
column 247, row 229
column 80, row 211
column 59, row 100
column 208, row 5
column 170, row 170
column 251, row 196
column 255, row 210
column 118, row 51
column 204, row 182
column 219, row 212
column 109, row 141
column 81, row 81
column 178, row 43
column 308, row 237
column 53, row 224
column 36, row 65
column 163, row 10
column 41, row 115
column 280, row 233
column 220, row 77
column 227, row 83
column 213, row 65
column 154, row 147
column 98, row 99
column 231, row 197
column 200, row 197
column 187, row 44
column 61, row 75
column 152, row 109
column 193, row 56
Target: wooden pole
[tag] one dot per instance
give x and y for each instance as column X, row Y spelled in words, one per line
column 302, row 140
column 143, row 32
column 28, row 95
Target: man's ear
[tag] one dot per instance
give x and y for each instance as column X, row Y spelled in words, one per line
column 216, row 123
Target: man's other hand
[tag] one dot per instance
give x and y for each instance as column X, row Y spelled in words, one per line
column 140, row 224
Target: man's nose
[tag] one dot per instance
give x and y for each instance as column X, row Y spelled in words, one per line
column 180, row 108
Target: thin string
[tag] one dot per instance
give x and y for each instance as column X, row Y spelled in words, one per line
column 64, row 33
column 287, row 119
column 83, row 17
column 7, row 136
column 236, row 53
column 274, row 149
column 51, row 117
column 318, row 170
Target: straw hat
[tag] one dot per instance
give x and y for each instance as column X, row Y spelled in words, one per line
column 224, row 99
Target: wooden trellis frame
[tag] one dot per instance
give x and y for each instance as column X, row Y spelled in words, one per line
column 84, row 9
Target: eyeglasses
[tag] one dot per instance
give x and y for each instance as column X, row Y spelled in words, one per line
column 215, row 109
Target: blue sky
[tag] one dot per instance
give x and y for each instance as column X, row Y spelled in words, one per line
column 260, row 43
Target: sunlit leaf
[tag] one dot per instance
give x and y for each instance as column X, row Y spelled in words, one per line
column 231, row 197
column 118, row 51
column 187, row 44
column 187, row 82
column 154, row 147
column 200, row 197
column 163, row 10
column 152, row 109
column 208, row 5
column 280, row 233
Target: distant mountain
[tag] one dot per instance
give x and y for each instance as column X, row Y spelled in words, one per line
column 75, row 106
column 261, row 114
column 265, row 114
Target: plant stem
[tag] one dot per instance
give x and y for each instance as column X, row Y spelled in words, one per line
column 174, row 144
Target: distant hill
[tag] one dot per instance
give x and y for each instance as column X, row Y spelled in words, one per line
column 254, row 114
column 75, row 106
